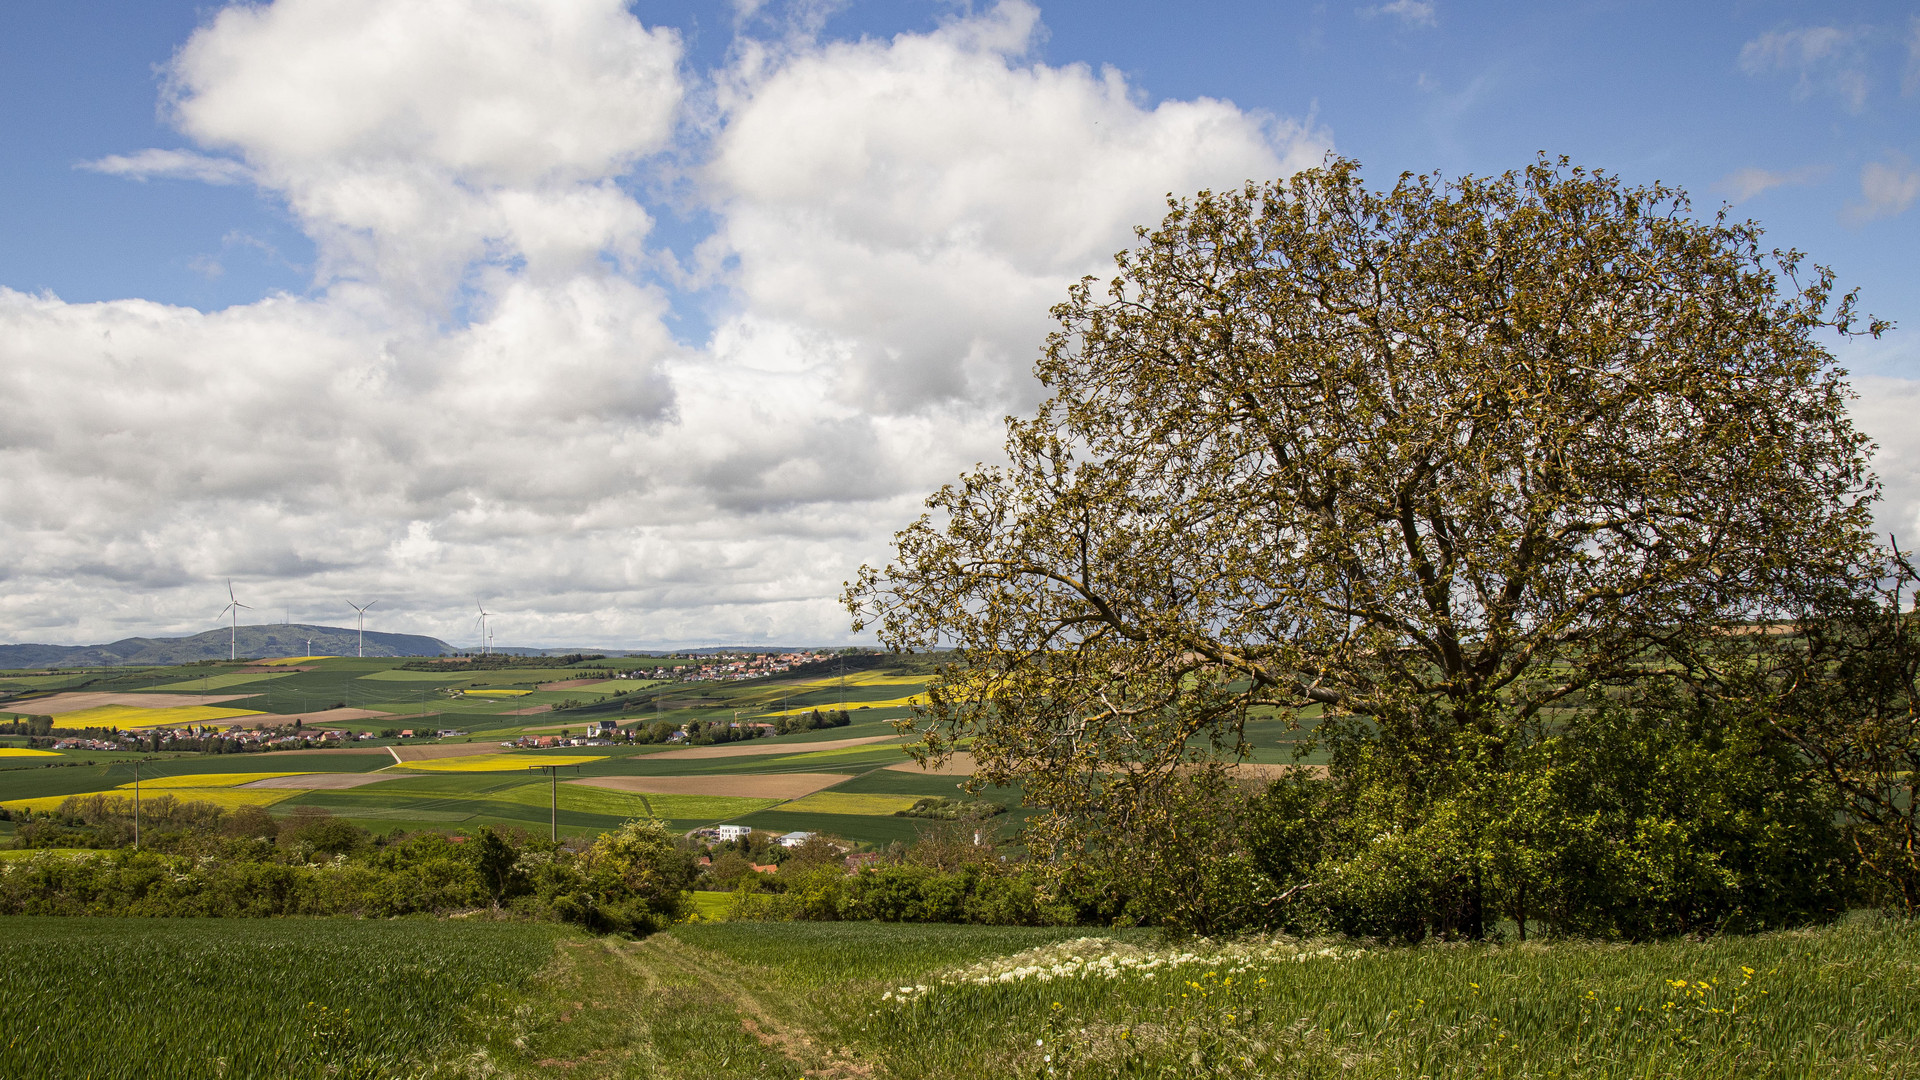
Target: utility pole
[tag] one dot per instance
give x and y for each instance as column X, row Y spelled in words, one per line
column 553, row 773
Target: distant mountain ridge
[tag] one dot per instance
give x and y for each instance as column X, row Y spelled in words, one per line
column 259, row 642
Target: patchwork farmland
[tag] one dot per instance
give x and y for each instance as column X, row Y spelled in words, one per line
column 473, row 755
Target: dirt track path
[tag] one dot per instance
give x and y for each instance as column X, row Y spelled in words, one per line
column 662, row 958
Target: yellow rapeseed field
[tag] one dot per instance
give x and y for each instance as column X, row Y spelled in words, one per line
column 209, row 779
column 838, row 802
column 498, row 762
column 888, row 703
column 851, row 706
column 911, row 699
column 868, row 678
column 225, row 797
column 15, row 751
column 288, row 661
column 134, row 716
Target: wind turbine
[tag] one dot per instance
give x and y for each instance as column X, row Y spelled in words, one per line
column 234, row 605
column 486, row 635
column 361, row 609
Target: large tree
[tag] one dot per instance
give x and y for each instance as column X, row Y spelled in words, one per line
column 1439, row 458
column 1846, row 694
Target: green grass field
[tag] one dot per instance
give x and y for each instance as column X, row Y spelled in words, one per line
column 112, row 998
column 160, row 998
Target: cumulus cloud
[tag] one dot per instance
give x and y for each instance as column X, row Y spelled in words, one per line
column 417, row 140
column 1887, row 189
column 481, row 398
column 917, row 204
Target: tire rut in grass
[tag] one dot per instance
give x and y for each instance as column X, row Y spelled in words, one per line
column 610, row 1010
column 728, row 980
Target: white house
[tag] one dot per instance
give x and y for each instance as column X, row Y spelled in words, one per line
column 733, row 832
column 795, row 839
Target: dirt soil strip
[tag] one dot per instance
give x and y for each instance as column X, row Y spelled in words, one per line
column 74, row 702
column 961, row 763
column 326, row 781
column 530, row 710
column 777, row 786
column 322, row 718
column 756, row 749
column 958, row 763
column 1253, row 770
column 430, row 751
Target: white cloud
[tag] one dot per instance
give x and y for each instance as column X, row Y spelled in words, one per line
column 417, row 139
column 920, row 203
column 172, row 164
column 1885, row 409
column 1411, row 12
column 482, row 400
column 1823, row 57
column 1743, row 184
column 1887, row 189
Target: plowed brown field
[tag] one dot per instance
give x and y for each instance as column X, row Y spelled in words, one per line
column 58, row 704
column 429, row 751
column 958, row 763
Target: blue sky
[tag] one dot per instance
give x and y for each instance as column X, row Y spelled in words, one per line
column 1651, row 90
column 367, row 450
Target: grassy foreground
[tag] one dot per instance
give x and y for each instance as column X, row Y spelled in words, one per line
column 110, row 998
column 105, row 998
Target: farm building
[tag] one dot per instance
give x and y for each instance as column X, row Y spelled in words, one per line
column 794, row 839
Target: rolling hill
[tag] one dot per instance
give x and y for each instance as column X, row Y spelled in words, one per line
column 279, row 639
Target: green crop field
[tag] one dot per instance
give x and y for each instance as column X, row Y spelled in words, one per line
column 222, row 682
column 164, row 998
column 397, row 675
column 110, row 998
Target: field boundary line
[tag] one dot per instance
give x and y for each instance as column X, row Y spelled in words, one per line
column 396, row 756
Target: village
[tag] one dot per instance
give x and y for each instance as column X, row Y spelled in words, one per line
column 742, row 665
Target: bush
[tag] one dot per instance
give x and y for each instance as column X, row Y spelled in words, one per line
column 945, row 809
column 633, row 880
column 1658, row 815
column 206, row 862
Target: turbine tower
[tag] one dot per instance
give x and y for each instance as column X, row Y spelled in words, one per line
column 486, row 634
column 234, row 605
column 361, row 611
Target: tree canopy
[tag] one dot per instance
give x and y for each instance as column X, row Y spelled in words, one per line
column 1438, row 458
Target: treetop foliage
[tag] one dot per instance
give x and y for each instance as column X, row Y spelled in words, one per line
column 1440, row 456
